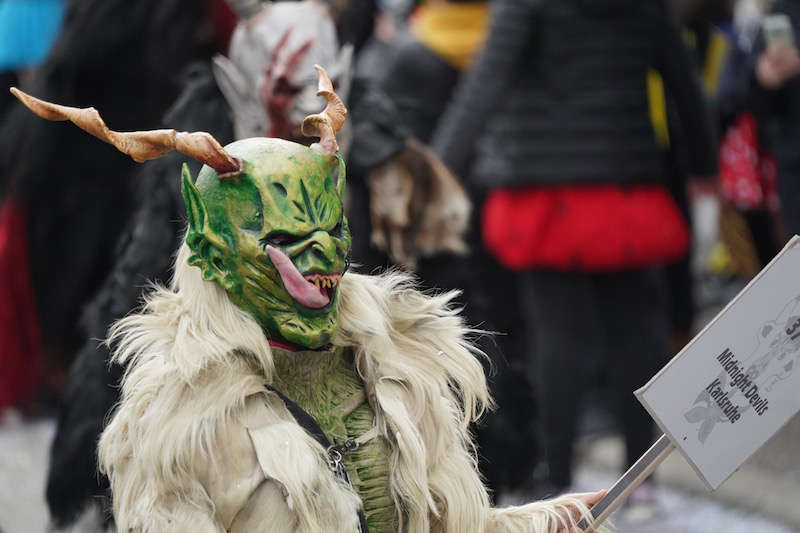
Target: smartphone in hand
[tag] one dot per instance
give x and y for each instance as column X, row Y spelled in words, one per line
column 778, row 29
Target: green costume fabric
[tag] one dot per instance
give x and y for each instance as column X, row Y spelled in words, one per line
column 326, row 384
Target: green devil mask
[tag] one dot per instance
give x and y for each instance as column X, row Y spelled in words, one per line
column 266, row 218
column 275, row 236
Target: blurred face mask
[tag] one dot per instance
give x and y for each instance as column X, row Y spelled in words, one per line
column 268, row 78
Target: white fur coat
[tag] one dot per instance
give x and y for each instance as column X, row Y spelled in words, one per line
column 179, row 450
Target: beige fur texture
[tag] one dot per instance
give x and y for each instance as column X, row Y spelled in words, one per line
column 194, row 361
column 418, row 208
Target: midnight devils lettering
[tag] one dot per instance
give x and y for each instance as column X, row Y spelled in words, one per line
column 739, row 380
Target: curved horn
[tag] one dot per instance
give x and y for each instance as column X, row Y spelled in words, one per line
column 245, row 9
column 140, row 145
column 325, row 125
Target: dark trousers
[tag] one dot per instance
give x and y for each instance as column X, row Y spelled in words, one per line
column 583, row 326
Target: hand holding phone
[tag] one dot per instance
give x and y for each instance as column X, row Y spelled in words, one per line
column 778, row 29
column 781, row 59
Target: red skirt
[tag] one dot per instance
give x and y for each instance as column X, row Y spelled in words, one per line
column 591, row 228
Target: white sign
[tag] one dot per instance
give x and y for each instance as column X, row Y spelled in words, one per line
column 733, row 387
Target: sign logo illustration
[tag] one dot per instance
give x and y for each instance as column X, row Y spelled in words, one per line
column 743, row 385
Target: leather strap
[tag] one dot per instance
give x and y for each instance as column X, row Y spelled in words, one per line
column 311, row 426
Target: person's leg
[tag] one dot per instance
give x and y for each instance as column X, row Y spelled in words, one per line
column 637, row 336
column 557, row 308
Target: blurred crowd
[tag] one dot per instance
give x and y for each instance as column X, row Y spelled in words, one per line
column 541, row 156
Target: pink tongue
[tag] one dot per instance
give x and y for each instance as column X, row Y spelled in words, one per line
column 305, row 292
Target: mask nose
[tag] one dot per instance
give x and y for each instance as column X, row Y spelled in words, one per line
column 322, row 246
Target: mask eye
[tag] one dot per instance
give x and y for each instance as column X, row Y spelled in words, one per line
column 337, row 230
column 279, row 239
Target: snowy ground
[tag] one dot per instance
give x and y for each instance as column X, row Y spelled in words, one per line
column 681, row 512
column 24, row 447
column 677, row 512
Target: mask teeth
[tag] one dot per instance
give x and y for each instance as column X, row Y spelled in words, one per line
column 325, row 281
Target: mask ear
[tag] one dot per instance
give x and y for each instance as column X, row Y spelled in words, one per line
column 195, row 208
column 206, row 256
column 341, row 181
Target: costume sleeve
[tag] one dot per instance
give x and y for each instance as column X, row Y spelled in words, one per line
column 480, row 91
column 548, row 516
column 683, row 85
column 455, row 475
column 378, row 131
column 462, row 498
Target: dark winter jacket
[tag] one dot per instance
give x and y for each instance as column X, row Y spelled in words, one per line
column 420, row 109
column 558, row 96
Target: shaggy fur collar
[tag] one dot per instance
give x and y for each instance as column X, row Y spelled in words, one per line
column 420, row 375
column 193, row 359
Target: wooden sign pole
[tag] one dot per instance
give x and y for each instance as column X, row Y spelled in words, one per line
column 634, row 477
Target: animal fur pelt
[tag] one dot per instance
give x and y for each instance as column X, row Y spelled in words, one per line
column 417, row 207
column 124, row 58
column 193, row 361
column 145, row 254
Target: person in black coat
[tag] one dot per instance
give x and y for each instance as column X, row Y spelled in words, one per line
column 555, row 102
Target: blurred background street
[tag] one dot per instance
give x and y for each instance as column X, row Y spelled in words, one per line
column 598, row 179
